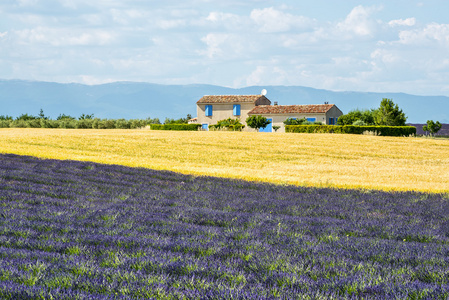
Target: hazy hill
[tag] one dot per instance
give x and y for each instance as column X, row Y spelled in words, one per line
column 141, row 100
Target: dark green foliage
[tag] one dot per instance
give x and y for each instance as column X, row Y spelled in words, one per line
column 86, row 117
column 69, row 123
column 153, row 121
column 178, row 121
column 389, row 114
column 292, row 121
column 367, row 116
column 432, row 126
column 26, row 117
column 350, row 129
column 228, row 124
column 64, row 116
column 85, row 121
column 275, row 128
column 257, row 122
column 178, row 127
column 303, row 121
column 84, row 124
column 41, row 115
column 5, row 118
column 5, row 123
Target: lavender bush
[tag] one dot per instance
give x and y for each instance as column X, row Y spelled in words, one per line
column 80, row 230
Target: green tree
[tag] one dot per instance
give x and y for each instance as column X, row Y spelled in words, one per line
column 366, row 116
column 432, row 126
column 178, row 121
column 389, row 114
column 294, row 121
column 26, row 117
column 41, row 115
column 5, row 118
column 257, row 122
column 64, row 117
column 229, row 123
column 86, row 117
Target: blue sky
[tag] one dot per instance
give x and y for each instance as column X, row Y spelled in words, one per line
column 349, row 45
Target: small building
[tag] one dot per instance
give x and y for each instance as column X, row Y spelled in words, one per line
column 211, row 109
column 324, row 113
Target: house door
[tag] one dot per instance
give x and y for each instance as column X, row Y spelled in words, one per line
column 269, row 127
column 205, row 126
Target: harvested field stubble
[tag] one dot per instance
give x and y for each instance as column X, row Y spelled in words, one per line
column 331, row 160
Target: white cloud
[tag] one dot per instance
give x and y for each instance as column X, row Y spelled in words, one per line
column 233, row 43
column 402, row 22
column 359, row 21
column 221, row 45
column 384, row 55
column 432, row 33
column 272, row 20
column 63, row 37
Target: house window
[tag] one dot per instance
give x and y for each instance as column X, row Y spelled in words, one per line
column 236, row 109
column 205, row 126
column 331, row 121
column 311, row 119
column 208, row 110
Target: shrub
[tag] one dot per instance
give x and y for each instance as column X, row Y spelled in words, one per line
column 228, row 124
column 359, row 123
column 180, row 127
column 122, row 124
column 257, row 122
column 45, row 123
column 351, row 129
column 5, row 123
column 138, row 123
column 84, row 124
column 67, row 123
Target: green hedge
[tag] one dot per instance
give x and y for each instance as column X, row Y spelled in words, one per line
column 237, row 127
column 72, row 123
column 352, row 129
column 186, row 127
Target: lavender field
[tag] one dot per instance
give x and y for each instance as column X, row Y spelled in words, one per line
column 80, row 230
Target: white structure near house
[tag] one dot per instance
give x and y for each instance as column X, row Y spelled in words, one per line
column 211, row 109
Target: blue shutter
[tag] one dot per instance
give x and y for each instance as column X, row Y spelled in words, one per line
column 331, row 121
column 236, row 109
column 311, row 119
column 208, row 110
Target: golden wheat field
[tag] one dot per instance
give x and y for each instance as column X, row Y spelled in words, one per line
column 330, row 160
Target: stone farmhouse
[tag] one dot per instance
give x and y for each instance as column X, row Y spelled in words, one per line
column 211, row 109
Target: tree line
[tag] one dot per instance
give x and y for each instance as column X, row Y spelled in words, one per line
column 84, row 121
column 388, row 114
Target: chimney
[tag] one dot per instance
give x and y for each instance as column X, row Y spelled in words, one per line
column 275, row 103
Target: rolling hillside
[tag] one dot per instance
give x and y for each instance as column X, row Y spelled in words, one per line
column 142, row 100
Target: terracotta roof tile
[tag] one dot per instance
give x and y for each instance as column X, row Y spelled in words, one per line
column 290, row 109
column 230, row 98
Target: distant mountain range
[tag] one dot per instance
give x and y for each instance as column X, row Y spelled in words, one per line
column 132, row 100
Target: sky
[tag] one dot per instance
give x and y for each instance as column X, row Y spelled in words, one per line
column 348, row 45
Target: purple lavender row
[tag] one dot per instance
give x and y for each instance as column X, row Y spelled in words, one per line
column 90, row 231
